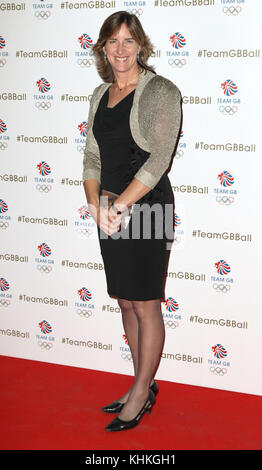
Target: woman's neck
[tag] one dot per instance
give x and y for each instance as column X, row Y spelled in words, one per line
column 123, row 81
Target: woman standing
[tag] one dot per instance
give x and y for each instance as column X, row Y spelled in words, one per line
column 133, row 127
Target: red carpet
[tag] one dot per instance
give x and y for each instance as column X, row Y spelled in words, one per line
column 46, row 406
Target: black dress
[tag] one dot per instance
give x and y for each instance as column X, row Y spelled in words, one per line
column 135, row 267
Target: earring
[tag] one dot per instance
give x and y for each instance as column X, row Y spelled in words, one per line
column 105, row 58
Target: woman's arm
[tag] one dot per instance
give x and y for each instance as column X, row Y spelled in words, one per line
column 161, row 133
column 91, row 165
column 91, row 187
column 133, row 192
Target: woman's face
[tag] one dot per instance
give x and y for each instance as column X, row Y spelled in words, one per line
column 121, row 50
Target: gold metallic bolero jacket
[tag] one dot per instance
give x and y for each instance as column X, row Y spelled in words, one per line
column 155, row 120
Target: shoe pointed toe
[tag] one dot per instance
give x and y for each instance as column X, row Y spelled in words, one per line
column 119, row 425
column 116, row 425
column 114, row 407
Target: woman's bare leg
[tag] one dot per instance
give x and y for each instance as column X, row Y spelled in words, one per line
column 131, row 327
column 151, row 335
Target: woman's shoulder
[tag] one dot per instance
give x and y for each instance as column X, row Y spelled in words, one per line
column 160, row 84
column 101, row 87
column 99, row 90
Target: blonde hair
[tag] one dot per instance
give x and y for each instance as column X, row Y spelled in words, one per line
column 109, row 27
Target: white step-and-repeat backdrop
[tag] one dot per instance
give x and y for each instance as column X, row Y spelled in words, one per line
column 54, row 306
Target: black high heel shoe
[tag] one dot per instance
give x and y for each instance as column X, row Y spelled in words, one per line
column 116, row 406
column 119, row 425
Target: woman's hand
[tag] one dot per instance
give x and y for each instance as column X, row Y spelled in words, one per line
column 108, row 220
column 105, row 217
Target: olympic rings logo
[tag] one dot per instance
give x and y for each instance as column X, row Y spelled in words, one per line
column 44, row 269
column 171, row 324
column 127, row 357
column 84, row 232
column 3, row 145
column 228, row 110
column 2, row 62
column 84, row 313
column 4, row 302
column 232, row 11
column 42, row 105
column 179, row 153
column 45, row 345
column 224, row 200
column 42, row 15
column 81, row 149
column 218, row 370
column 221, row 288
column 44, row 188
column 179, row 63
column 4, row 225
column 138, row 12
column 85, row 62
